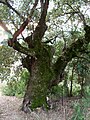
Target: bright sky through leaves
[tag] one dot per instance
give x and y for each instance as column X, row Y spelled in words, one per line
column 2, row 34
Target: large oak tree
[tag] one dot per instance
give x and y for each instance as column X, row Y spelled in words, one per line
column 39, row 53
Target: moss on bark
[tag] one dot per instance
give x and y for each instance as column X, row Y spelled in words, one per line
column 41, row 75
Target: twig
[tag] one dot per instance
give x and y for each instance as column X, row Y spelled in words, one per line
column 8, row 5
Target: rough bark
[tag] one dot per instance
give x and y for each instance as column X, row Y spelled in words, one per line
column 71, row 80
column 40, row 76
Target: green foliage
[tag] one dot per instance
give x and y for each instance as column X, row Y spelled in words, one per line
column 6, row 56
column 17, row 87
column 9, row 90
column 57, row 91
column 81, row 107
column 82, row 67
column 58, row 50
column 5, row 11
column 76, row 89
column 7, row 59
column 79, row 113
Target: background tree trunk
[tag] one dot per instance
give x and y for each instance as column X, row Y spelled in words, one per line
column 71, row 85
column 82, row 87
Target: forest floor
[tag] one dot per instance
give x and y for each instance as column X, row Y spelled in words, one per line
column 10, row 110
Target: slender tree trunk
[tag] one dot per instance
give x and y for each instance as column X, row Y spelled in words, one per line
column 71, row 88
column 82, row 86
column 66, row 89
column 71, row 80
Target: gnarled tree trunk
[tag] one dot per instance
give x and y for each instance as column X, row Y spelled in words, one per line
column 38, row 83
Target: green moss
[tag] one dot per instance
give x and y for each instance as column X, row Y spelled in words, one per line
column 42, row 79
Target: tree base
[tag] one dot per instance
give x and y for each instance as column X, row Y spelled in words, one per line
column 26, row 106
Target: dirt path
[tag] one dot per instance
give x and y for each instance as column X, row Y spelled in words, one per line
column 10, row 110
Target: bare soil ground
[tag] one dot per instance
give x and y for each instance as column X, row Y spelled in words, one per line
column 10, row 110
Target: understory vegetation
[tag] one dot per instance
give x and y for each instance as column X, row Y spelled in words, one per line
column 17, row 87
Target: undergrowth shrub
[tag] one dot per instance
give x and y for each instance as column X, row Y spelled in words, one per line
column 59, row 91
column 81, row 107
column 17, row 87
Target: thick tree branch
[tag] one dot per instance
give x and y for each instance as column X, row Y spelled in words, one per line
column 44, row 12
column 23, row 26
column 41, row 27
column 13, row 42
column 42, row 3
column 71, row 52
column 17, row 46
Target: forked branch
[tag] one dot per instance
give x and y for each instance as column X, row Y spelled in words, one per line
column 23, row 26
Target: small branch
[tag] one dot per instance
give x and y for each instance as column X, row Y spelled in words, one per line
column 70, row 6
column 52, row 40
column 69, row 18
column 2, row 2
column 25, row 23
column 72, row 12
column 82, row 17
column 79, row 14
column 8, row 5
column 83, row 58
column 44, row 12
column 15, row 11
column 17, row 46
